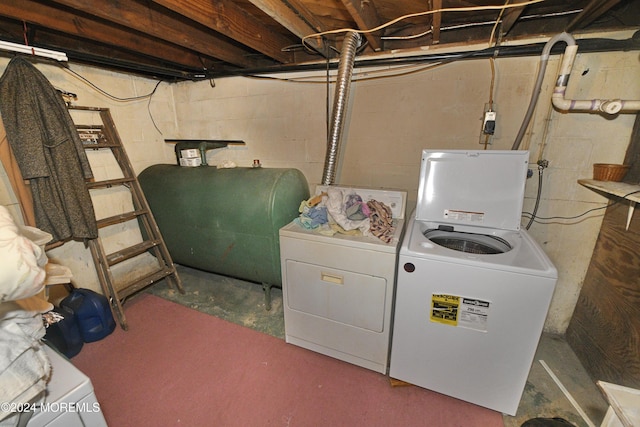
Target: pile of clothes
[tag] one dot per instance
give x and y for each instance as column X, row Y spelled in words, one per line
column 343, row 211
column 24, row 366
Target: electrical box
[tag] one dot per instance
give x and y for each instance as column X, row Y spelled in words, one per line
column 488, row 129
column 489, row 123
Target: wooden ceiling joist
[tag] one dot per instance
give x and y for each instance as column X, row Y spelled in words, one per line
column 67, row 23
column 304, row 12
column 366, row 17
column 192, row 39
column 509, row 18
column 590, row 13
column 135, row 16
column 436, row 21
column 286, row 17
column 226, row 18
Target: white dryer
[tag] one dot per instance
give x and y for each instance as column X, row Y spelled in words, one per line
column 338, row 290
column 473, row 289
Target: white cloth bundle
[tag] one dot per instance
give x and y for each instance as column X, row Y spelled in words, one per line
column 335, row 203
column 24, row 366
column 22, row 270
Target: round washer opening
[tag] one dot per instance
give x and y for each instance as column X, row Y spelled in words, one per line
column 468, row 242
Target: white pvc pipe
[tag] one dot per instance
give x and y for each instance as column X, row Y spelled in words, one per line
column 607, row 106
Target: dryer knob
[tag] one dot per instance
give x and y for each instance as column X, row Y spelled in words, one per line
column 409, row 267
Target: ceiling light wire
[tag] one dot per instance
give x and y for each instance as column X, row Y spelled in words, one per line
column 26, row 37
column 419, row 14
column 107, row 94
column 497, row 24
column 480, row 24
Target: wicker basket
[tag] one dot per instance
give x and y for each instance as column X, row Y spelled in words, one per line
column 609, row 172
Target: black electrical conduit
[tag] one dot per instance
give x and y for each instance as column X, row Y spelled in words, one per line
column 171, row 73
column 586, row 46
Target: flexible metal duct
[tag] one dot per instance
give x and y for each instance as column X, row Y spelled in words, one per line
column 341, row 97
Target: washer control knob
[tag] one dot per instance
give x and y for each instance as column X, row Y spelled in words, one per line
column 409, row 267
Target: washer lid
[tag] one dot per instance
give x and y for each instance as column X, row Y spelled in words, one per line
column 478, row 188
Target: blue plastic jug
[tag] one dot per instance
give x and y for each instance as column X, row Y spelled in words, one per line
column 65, row 335
column 92, row 313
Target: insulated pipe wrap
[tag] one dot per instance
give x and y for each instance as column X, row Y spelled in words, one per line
column 340, row 100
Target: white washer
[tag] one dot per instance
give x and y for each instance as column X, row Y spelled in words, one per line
column 70, row 400
column 473, row 290
column 338, row 290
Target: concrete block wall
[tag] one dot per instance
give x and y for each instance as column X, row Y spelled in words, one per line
column 132, row 112
column 389, row 121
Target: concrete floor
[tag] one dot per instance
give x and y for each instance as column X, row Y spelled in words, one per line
column 243, row 303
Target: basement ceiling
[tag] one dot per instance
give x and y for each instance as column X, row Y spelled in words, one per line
column 195, row 39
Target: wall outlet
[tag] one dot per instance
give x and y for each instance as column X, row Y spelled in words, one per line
column 489, row 123
column 488, row 129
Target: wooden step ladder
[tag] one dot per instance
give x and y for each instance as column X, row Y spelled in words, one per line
column 104, row 136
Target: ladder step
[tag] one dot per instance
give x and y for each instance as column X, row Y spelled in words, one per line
column 118, row 219
column 145, row 281
column 91, row 134
column 109, row 182
column 93, row 138
column 130, row 252
column 91, row 146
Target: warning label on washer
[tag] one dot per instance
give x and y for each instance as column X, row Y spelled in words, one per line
column 466, row 216
column 465, row 312
column 444, row 309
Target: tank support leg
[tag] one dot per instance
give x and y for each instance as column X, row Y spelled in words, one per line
column 267, row 296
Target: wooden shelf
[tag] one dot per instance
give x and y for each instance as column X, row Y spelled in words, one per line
column 630, row 192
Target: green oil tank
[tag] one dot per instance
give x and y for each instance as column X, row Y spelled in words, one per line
column 225, row 221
